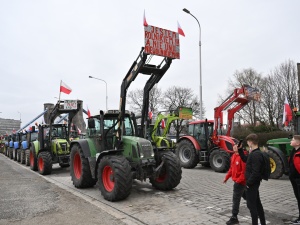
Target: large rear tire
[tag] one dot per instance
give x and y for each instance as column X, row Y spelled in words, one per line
column 170, row 173
column 115, row 177
column 80, row 169
column 219, row 160
column 187, row 154
column 33, row 160
column 276, row 165
column 44, row 161
column 27, row 157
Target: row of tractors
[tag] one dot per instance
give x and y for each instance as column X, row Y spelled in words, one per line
column 115, row 150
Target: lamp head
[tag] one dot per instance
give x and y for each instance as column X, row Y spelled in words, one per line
column 91, row 77
column 185, row 10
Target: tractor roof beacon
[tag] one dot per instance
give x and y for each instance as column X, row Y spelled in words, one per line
column 205, row 143
column 113, row 155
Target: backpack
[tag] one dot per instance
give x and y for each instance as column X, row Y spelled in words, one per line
column 266, row 171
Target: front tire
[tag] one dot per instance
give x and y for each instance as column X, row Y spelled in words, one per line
column 27, row 157
column 22, row 156
column 44, row 163
column 33, row 160
column 170, row 173
column 219, row 160
column 115, row 177
column 80, row 169
column 187, row 154
column 11, row 154
column 18, row 155
column 276, row 165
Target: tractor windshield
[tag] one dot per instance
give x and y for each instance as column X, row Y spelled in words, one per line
column 128, row 126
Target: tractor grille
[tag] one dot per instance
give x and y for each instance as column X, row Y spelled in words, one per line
column 147, row 149
column 63, row 146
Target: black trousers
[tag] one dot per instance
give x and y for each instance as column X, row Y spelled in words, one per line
column 296, row 187
column 254, row 205
column 238, row 192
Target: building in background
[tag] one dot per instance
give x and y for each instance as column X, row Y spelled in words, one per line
column 7, row 126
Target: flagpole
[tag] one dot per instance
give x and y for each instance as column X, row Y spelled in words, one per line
column 59, row 92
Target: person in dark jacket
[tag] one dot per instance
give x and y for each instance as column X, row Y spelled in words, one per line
column 294, row 173
column 254, row 166
column 237, row 174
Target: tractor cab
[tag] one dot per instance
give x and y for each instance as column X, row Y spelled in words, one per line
column 202, row 131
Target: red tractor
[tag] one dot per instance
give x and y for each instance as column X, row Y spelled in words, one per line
column 205, row 143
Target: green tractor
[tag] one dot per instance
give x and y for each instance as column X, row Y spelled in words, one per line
column 160, row 129
column 53, row 144
column 279, row 151
column 113, row 155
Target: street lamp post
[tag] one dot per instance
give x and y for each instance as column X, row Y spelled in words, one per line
column 188, row 12
column 105, row 87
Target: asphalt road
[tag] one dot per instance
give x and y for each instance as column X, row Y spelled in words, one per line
column 27, row 198
column 200, row 199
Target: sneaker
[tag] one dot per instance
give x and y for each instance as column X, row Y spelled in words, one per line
column 232, row 220
column 297, row 221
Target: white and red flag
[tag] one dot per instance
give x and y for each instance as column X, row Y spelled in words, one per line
column 150, row 114
column 163, row 124
column 88, row 112
column 145, row 21
column 287, row 113
column 65, row 88
column 180, row 31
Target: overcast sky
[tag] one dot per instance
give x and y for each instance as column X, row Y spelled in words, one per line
column 43, row 42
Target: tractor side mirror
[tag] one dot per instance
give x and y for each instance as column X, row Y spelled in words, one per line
column 33, row 129
column 91, row 123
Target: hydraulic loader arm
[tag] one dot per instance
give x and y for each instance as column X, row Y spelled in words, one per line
column 240, row 97
column 60, row 108
column 156, row 72
column 139, row 66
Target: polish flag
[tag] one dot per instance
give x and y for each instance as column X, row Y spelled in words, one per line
column 150, row 114
column 88, row 112
column 65, row 88
column 145, row 22
column 287, row 113
column 180, row 31
column 163, row 124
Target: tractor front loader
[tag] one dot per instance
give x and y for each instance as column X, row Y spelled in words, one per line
column 205, row 143
column 113, row 155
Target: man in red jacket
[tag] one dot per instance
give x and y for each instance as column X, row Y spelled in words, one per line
column 237, row 174
column 294, row 174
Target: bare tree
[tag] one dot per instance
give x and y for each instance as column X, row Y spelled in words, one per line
column 250, row 112
column 135, row 100
column 178, row 96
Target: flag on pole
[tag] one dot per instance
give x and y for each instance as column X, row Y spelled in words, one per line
column 145, row 22
column 163, row 124
column 88, row 112
column 180, row 31
column 287, row 113
column 150, row 114
column 65, row 88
